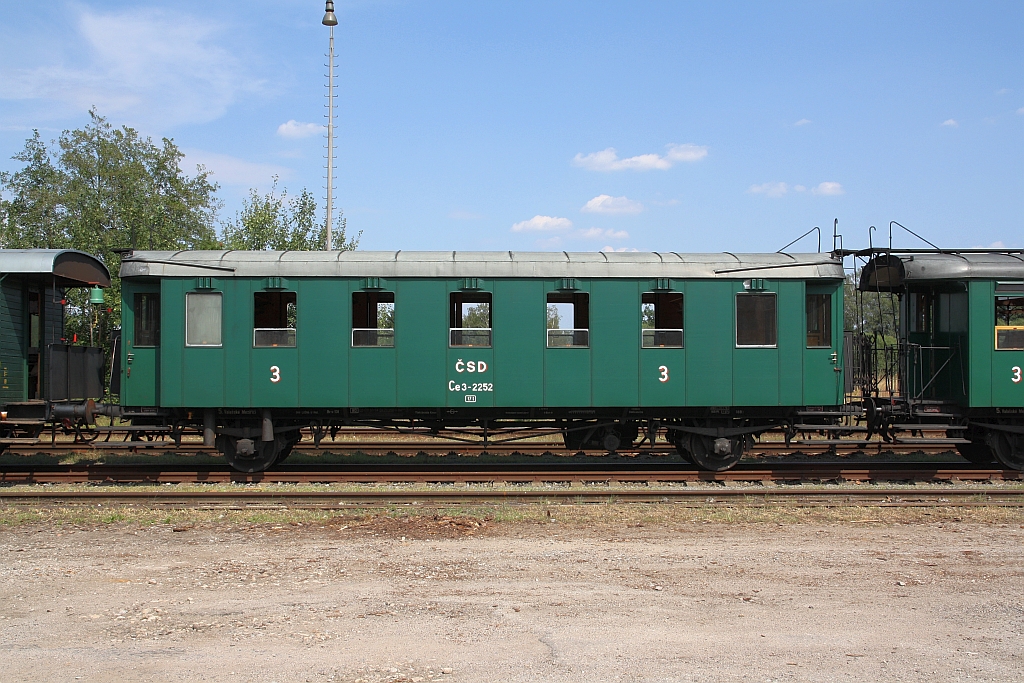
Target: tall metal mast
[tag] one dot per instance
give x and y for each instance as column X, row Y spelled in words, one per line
column 330, row 20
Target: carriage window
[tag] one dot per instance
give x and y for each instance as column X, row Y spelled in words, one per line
column 819, row 321
column 469, row 319
column 568, row 319
column 274, row 317
column 952, row 312
column 755, row 320
column 147, row 320
column 373, row 319
column 1010, row 322
column 920, row 312
column 661, row 320
column 202, row 319
column 34, row 318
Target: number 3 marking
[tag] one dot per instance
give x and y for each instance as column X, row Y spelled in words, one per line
column 664, row 373
column 1016, row 374
column 275, row 374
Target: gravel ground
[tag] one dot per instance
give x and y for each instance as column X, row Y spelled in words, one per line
column 453, row 599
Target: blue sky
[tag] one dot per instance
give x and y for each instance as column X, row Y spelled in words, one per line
column 670, row 126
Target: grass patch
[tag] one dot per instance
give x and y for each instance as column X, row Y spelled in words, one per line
column 503, row 516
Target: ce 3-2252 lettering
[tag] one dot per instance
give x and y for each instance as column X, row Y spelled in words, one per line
column 468, row 386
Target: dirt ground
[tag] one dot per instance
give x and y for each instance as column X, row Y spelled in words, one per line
column 380, row 599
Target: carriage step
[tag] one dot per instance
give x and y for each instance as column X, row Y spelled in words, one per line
column 830, row 428
column 134, row 428
column 831, row 442
column 931, row 442
column 930, row 428
column 824, row 413
column 18, row 441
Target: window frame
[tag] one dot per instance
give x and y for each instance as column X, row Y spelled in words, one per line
column 655, row 330
column 376, row 330
column 736, row 319
column 471, row 294
column 997, row 328
column 295, row 330
column 826, row 329
column 136, row 301
column 575, row 296
column 220, row 296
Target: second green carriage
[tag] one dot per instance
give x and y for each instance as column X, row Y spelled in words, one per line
column 958, row 347
column 714, row 347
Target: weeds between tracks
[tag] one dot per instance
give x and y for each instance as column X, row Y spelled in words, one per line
column 458, row 520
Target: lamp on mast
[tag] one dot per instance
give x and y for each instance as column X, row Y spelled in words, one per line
column 331, row 21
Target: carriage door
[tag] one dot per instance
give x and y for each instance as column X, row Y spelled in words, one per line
column 141, row 351
column 823, row 377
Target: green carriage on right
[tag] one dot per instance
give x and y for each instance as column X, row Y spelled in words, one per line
column 954, row 352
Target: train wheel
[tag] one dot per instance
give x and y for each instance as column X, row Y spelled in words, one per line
column 287, row 450
column 716, row 455
column 1009, row 449
column 250, row 455
column 682, row 442
column 978, row 453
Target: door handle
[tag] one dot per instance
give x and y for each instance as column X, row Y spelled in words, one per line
column 131, row 357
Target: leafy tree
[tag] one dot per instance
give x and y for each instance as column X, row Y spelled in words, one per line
column 101, row 189
column 554, row 319
column 869, row 312
column 275, row 221
column 476, row 316
column 647, row 317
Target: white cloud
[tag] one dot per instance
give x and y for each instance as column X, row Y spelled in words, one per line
column 158, row 67
column 1021, row 110
column 687, row 152
column 543, row 224
column 296, row 129
column 229, row 170
column 829, row 189
column 951, row 123
column 608, row 159
column 799, row 188
column 613, row 249
column 603, row 234
column 604, row 203
column 1003, row 91
column 776, row 189
column 802, row 122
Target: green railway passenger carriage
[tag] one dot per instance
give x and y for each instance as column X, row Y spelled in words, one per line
column 40, row 373
column 711, row 349
column 959, row 349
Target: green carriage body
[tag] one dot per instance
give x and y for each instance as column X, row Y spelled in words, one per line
column 948, row 320
column 423, row 371
column 32, row 287
column 961, row 343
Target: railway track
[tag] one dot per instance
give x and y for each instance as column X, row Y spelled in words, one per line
column 592, row 475
column 337, row 500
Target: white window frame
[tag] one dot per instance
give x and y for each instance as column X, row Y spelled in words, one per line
column 205, row 346
column 736, row 319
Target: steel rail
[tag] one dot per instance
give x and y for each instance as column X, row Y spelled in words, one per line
column 607, row 474
column 400, row 447
column 330, row 500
